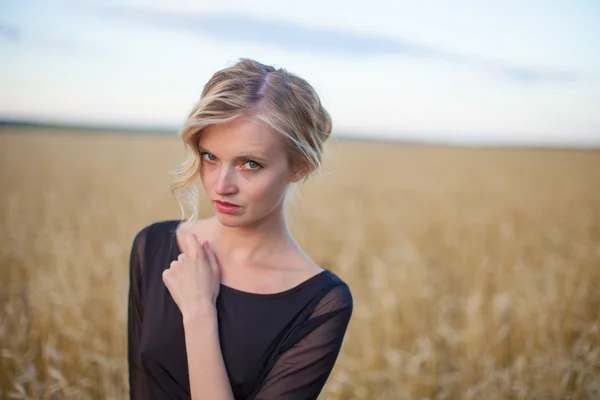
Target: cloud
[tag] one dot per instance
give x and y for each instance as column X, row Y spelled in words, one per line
column 289, row 36
column 10, row 33
column 43, row 40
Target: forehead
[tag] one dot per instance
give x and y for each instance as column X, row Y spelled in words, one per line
column 244, row 134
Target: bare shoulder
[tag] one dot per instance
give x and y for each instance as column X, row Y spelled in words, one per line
column 303, row 265
column 200, row 228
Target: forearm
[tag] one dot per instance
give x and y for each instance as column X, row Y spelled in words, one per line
column 208, row 377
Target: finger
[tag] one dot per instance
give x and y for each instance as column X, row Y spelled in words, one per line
column 212, row 258
column 192, row 242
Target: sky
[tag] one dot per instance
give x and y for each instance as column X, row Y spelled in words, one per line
column 462, row 71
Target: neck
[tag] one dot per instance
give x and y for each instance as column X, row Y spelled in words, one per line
column 252, row 243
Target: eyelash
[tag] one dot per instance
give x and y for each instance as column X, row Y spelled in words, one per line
column 203, row 153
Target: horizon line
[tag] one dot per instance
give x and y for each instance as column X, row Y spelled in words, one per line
column 173, row 129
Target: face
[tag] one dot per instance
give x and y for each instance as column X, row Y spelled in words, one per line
column 244, row 163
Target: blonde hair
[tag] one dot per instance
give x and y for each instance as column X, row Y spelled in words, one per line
column 282, row 100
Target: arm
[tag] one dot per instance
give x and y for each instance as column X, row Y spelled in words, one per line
column 208, row 376
column 193, row 281
column 137, row 388
column 302, row 369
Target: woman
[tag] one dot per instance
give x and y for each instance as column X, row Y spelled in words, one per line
column 230, row 307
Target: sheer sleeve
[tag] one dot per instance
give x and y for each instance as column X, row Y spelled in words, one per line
column 302, row 369
column 137, row 387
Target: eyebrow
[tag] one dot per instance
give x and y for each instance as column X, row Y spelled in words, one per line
column 242, row 156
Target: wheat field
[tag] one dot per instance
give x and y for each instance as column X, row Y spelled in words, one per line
column 475, row 272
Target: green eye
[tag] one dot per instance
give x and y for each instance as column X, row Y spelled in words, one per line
column 209, row 156
column 253, row 165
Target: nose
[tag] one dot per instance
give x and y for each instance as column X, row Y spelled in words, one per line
column 226, row 182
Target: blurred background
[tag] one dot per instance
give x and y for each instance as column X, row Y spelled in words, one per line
column 460, row 197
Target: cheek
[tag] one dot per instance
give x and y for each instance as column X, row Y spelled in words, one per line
column 268, row 188
column 207, row 174
column 202, row 174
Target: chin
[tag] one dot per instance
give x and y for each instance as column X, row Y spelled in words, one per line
column 231, row 220
column 237, row 221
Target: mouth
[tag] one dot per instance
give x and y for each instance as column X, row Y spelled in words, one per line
column 226, row 207
column 225, row 203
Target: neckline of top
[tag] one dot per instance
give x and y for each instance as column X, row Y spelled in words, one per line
column 306, row 282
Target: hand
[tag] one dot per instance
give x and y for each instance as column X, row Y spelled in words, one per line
column 194, row 278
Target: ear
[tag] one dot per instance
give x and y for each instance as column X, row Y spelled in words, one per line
column 299, row 172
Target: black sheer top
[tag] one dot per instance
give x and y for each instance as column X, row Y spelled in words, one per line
column 275, row 346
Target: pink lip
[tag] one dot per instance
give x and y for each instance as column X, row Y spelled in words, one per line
column 227, row 208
